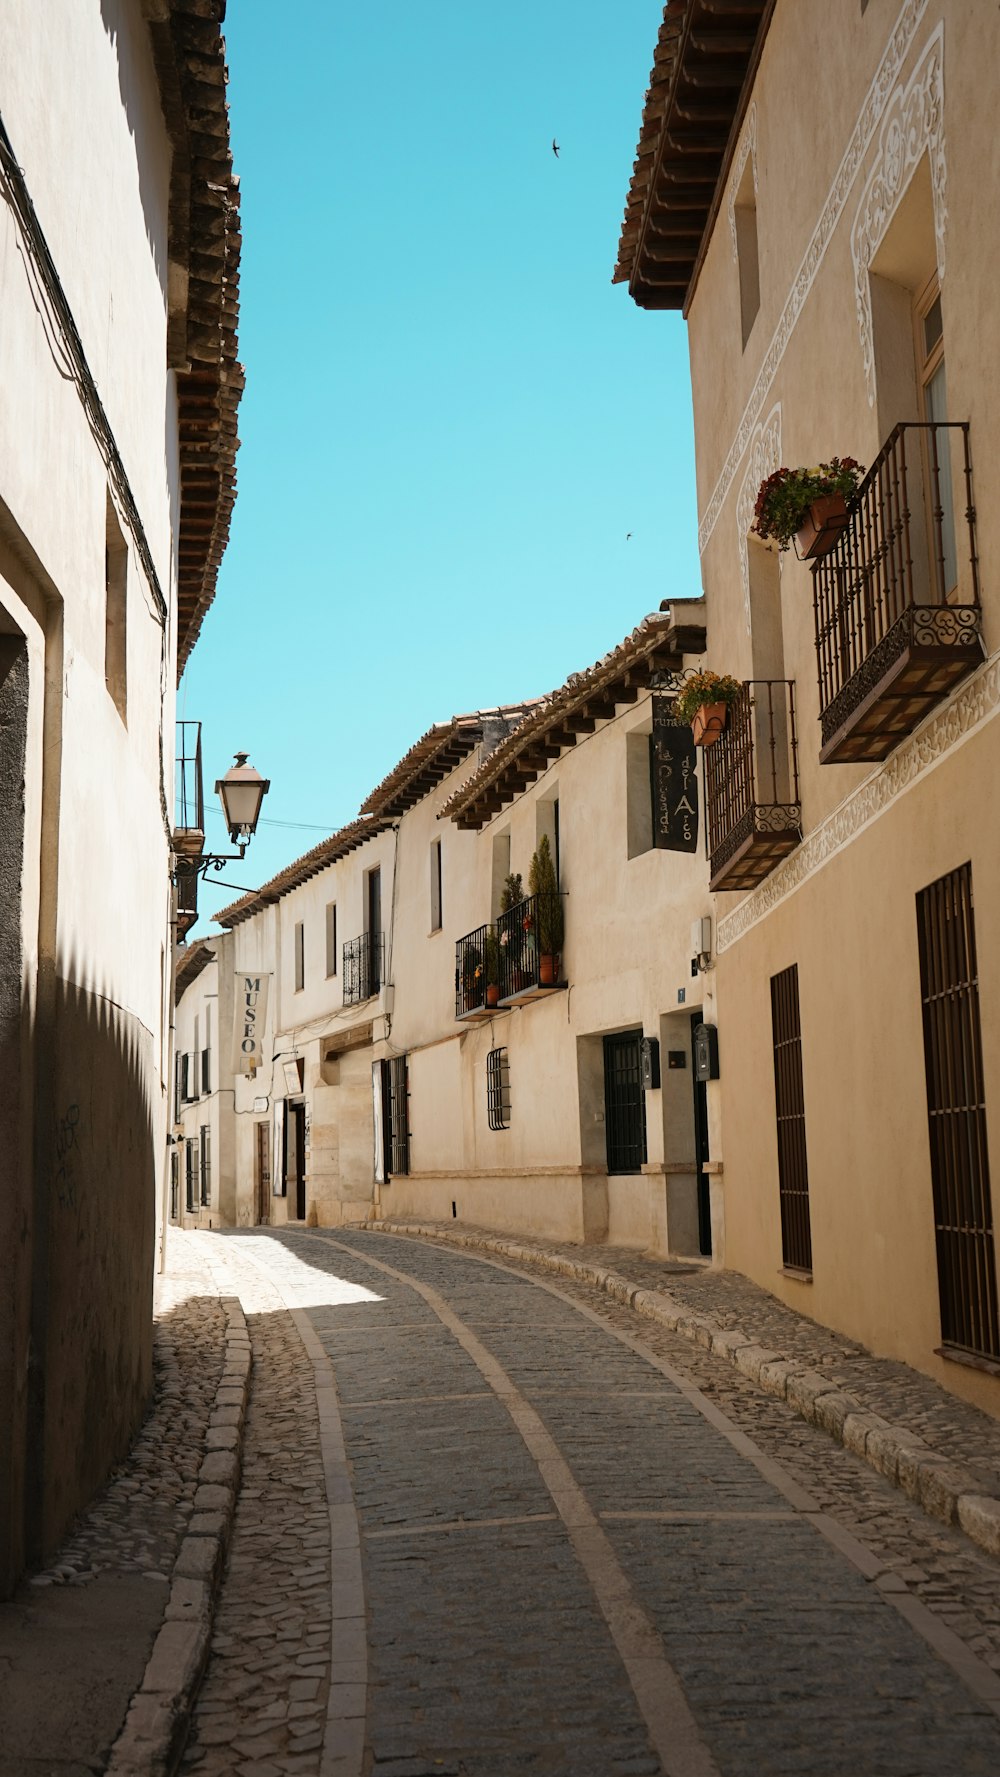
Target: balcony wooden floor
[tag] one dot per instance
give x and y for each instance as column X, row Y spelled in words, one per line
column 765, row 836
column 924, row 656
column 535, row 991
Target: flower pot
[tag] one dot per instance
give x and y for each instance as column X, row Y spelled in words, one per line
column 707, row 724
column 546, row 970
column 492, row 994
column 817, row 536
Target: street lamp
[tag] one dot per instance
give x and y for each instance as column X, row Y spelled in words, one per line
column 241, row 793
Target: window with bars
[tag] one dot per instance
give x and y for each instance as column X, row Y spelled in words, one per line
column 624, row 1102
column 956, row 1115
column 789, row 1105
column 396, row 1100
column 498, row 1089
column 206, row 1163
column 190, row 1162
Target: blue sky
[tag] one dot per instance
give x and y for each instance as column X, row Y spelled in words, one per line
column 452, row 419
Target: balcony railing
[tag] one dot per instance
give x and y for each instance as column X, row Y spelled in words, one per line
column 471, row 999
column 189, row 794
column 520, row 969
column 522, row 932
column 896, row 606
column 752, row 808
column 363, row 967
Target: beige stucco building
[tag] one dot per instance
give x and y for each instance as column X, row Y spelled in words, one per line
column 117, row 439
column 384, row 1083
column 826, row 220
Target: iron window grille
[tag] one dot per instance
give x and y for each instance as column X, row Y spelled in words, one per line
column 498, row 1089
column 624, row 1102
column 206, row 1164
column 364, row 967
column 399, row 1122
column 189, row 1165
column 790, row 1115
column 956, row 1115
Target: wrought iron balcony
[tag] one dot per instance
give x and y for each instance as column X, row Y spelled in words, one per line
column 363, row 967
column 529, row 943
column 897, row 608
column 752, row 808
column 189, row 822
column 473, row 966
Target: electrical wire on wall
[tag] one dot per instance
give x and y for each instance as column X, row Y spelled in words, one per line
column 66, row 346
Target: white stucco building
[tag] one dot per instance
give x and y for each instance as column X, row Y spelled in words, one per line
column 118, row 277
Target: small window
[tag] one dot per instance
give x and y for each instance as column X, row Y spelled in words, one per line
column 190, row 1163
column 206, row 1072
column 300, row 956
column 435, row 885
column 747, row 250
column 115, row 609
column 498, row 1089
column 206, row 1163
column 331, row 938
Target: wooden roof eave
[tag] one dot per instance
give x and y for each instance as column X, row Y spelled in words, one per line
column 715, row 51
column 598, row 700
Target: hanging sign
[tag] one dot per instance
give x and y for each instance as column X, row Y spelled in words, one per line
column 248, row 1028
column 672, row 761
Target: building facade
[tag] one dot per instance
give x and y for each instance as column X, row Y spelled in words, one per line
column 829, row 242
column 117, row 438
column 411, row 1051
column 201, row 1155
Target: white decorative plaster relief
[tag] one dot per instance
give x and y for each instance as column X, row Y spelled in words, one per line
column 977, row 702
column 898, row 46
column 748, row 146
column 913, row 126
column 765, row 457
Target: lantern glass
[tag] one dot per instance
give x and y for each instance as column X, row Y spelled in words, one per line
column 241, row 793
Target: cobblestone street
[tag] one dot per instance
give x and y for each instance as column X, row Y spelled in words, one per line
column 585, row 1546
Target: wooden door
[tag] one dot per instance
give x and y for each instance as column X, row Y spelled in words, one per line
column 262, row 1200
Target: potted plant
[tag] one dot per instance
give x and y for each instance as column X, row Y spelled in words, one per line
column 512, row 891
column 703, row 700
column 810, row 505
column 543, row 884
column 492, row 966
column 472, row 977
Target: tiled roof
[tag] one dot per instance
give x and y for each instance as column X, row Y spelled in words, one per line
column 191, row 959
column 189, row 54
column 705, row 57
column 433, row 756
column 346, row 839
column 658, row 644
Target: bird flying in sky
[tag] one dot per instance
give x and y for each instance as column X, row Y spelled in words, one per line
column 555, row 148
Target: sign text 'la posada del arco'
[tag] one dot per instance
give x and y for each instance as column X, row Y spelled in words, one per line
column 672, row 762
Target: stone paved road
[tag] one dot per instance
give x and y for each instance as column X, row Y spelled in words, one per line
column 573, row 1561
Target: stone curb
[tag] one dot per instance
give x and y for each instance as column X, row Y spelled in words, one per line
column 153, row 1738
column 945, row 1491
